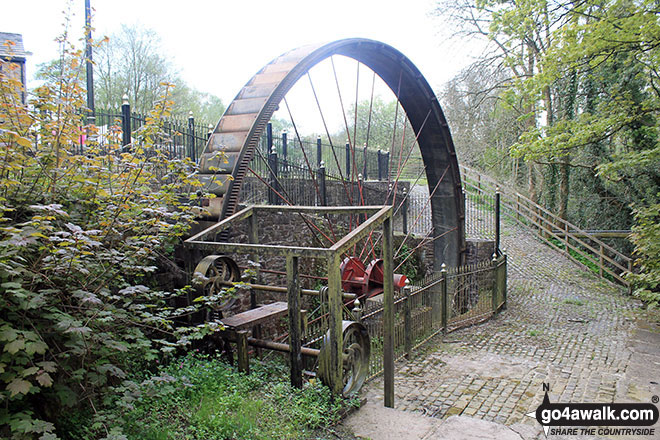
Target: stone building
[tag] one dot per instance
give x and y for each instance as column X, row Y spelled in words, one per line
column 12, row 58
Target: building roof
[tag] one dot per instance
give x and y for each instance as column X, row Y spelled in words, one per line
column 17, row 51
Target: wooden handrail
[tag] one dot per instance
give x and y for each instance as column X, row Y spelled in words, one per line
column 552, row 225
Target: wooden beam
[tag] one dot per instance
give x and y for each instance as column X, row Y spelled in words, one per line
column 388, row 313
column 293, row 294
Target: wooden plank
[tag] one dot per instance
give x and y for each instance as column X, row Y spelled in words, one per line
column 220, row 226
column 256, row 316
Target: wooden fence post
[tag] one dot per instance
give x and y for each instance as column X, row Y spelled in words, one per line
column 242, row 351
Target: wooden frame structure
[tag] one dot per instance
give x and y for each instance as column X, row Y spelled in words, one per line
column 378, row 216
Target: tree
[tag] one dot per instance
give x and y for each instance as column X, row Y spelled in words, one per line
column 483, row 127
column 592, row 82
column 132, row 63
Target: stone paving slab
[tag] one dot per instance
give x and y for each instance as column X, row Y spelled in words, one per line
column 583, row 336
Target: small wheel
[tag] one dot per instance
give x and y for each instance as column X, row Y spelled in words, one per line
column 356, row 350
column 211, row 276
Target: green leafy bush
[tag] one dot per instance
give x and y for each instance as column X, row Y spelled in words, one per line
column 81, row 237
column 646, row 237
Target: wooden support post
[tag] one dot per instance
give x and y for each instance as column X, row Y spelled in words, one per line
column 293, row 292
column 242, row 351
column 335, row 324
column 253, row 238
column 407, row 320
column 600, row 261
column 630, row 270
column 445, row 299
column 388, row 313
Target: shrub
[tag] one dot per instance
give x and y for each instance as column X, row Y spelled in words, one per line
column 81, row 236
column 201, row 397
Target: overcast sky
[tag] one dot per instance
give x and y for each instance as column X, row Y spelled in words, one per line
column 218, row 45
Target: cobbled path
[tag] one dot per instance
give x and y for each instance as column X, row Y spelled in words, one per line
column 563, row 326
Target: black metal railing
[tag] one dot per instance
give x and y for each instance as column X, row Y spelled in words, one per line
column 180, row 137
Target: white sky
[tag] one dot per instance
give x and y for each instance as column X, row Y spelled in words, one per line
column 218, row 45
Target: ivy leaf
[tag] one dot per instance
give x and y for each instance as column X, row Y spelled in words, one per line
column 18, row 386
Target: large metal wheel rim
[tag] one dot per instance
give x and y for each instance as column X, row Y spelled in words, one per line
column 356, row 351
column 242, row 125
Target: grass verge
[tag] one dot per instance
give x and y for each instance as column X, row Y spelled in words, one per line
column 201, row 397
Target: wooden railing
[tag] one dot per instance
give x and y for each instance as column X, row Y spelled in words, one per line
column 577, row 244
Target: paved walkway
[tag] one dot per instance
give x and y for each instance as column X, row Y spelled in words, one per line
column 564, row 326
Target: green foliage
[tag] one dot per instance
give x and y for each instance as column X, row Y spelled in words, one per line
column 646, row 236
column 412, row 263
column 81, row 240
column 583, row 81
column 203, row 398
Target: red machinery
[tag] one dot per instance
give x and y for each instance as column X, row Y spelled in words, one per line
column 365, row 282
